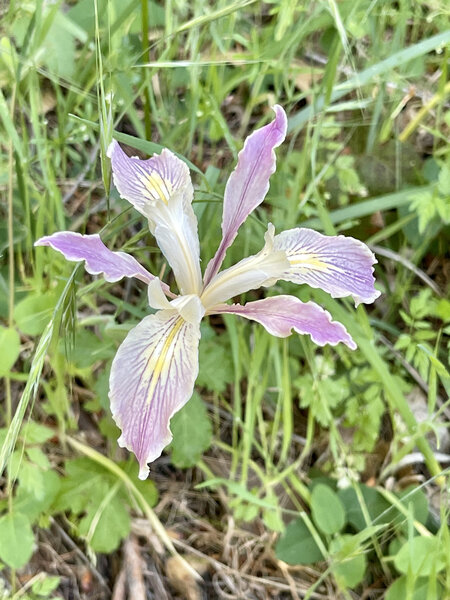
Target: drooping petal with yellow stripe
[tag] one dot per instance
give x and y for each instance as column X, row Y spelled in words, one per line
column 160, row 188
column 339, row 265
column 152, row 377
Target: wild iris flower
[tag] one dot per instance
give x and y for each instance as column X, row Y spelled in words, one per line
column 155, row 368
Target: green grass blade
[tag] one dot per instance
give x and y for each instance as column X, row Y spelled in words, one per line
column 368, row 75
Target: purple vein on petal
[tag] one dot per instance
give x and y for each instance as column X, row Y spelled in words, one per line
column 152, row 377
column 282, row 314
column 98, row 258
column 339, row 265
column 248, row 184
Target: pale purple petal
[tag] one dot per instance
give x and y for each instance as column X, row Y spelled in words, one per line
column 248, row 183
column 262, row 269
column 282, row 314
column 144, row 183
column 161, row 189
column 152, row 377
column 339, row 265
column 98, row 258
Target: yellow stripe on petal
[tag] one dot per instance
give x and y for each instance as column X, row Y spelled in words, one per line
column 152, row 377
column 339, row 265
column 155, row 367
column 158, row 187
column 308, row 260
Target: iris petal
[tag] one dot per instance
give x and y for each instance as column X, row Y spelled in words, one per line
column 161, row 189
column 339, row 265
column 282, row 314
column 145, row 183
column 152, row 377
column 248, row 184
column 98, row 258
column 262, row 269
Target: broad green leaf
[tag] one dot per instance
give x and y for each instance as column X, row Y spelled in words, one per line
column 416, row 499
column 401, row 586
column 375, row 503
column 80, row 484
column 420, row 555
column 216, row 369
column 17, row 540
column 88, row 349
column 35, row 433
column 107, row 522
column 297, row 546
column 33, row 313
column 31, row 479
column 272, row 517
column 328, row 512
column 59, row 46
column 192, row 432
column 38, row 457
column 348, row 568
column 443, row 309
column 89, row 491
column 26, row 502
column 9, row 349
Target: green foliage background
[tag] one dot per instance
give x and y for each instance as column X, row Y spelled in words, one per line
column 314, row 440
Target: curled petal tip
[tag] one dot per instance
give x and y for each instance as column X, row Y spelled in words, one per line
column 111, row 148
column 143, row 472
column 280, row 119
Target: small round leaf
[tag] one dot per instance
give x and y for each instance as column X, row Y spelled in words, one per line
column 327, row 509
column 297, row 546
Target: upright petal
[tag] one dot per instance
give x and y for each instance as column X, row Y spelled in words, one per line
column 145, row 183
column 280, row 314
column 339, row 265
column 248, row 183
column 152, row 377
column 98, row 258
column 160, row 188
column 262, row 269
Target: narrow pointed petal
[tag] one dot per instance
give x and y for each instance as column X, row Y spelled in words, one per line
column 262, row 269
column 98, row 258
column 152, row 377
column 339, row 265
column 282, row 314
column 248, row 183
column 160, row 188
